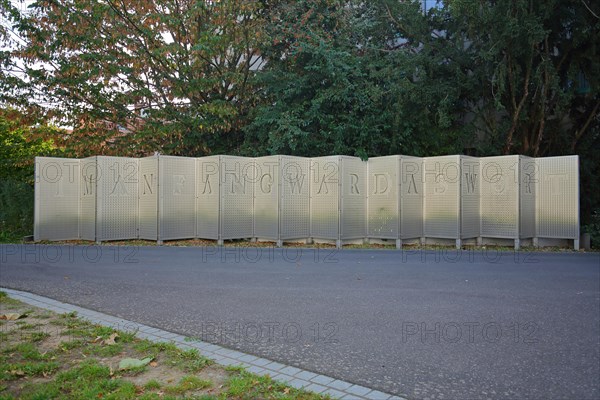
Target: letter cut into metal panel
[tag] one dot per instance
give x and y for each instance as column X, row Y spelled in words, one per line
column 117, row 200
column 411, row 197
column 325, row 201
column 294, row 207
column 56, row 214
column 499, row 200
column 208, row 189
column 528, row 176
column 557, row 195
column 442, row 197
column 148, row 198
column 87, row 199
column 353, row 198
column 470, row 197
column 177, row 197
column 266, row 197
column 383, row 199
column 237, row 194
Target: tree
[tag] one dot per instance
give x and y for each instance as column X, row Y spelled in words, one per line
column 141, row 76
column 536, row 67
column 341, row 80
column 22, row 138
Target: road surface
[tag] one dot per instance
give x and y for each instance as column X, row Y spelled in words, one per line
column 435, row 324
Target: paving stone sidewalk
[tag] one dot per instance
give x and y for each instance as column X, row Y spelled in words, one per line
column 292, row 376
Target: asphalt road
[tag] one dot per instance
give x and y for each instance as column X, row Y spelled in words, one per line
column 452, row 325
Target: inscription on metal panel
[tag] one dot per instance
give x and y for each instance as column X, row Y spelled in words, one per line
column 209, row 174
column 149, row 182
column 265, row 177
column 411, row 172
column 529, row 178
column 178, row 184
column 294, row 177
column 382, row 183
column 443, row 175
column 470, row 177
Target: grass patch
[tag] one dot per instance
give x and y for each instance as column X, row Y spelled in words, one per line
column 71, row 344
column 103, row 351
column 74, row 359
column 88, row 380
column 188, row 383
column 185, row 360
column 26, row 351
column 19, row 370
column 152, row 384
column 7, row 301
column 244, row 385
column 39, row 336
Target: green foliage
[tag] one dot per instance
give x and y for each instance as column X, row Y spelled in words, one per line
column 593, row 228
column 307, row 77
column 338, row 83
column 526, row 61
column 188, row 383
column 16, row 210
column 137, row 76
column 22, row 138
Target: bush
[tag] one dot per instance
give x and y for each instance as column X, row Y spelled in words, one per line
column 593, row 228
column 16, row 209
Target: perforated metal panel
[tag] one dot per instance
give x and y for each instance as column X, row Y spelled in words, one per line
column 237, row 192
column 469, row 197
column 117, row 201
column 87, row 200
column 177, row 198
column 208, row 184
column 411, row 197
column 353, row 198
column 442, row 197
column 284, row 197
column 295, row 198
column 324, row 200
column 266, row 180
column 56, row 214
column 528, row 176
column 383, row 199
column 148, row 198
column 557, row 197
column 499, row 201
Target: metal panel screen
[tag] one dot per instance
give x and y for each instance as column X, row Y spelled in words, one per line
column 411, row 197
column 208, row 184
column 266, row 197
column 353, row 199
column 557, row 196
column 500, row 197
column 56, row 215
column 284, row 197
column 528, row 177
column 117, row 201
column 469, row 197
column 177, row 197
column 237, row 192
column 442, row 201
column 295, row 198
column 324, row 200
column 148, row 202
column 87, row 200
column 383, row 197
